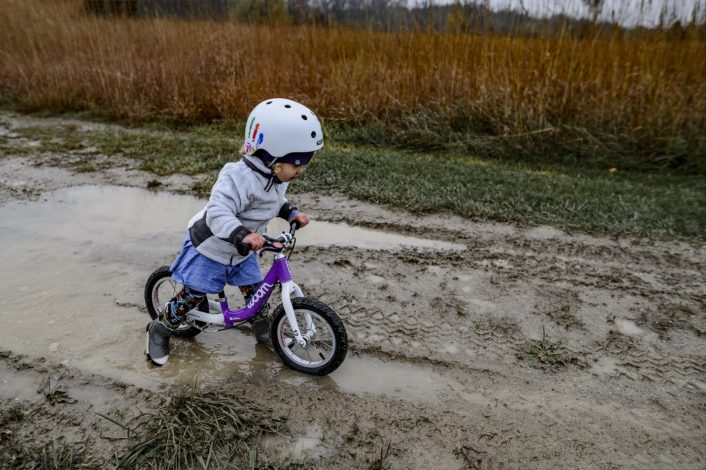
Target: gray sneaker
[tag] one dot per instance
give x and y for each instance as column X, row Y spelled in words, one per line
column 158, row 342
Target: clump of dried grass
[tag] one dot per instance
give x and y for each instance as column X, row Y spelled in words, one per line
column 198, row 430
column 548, row 355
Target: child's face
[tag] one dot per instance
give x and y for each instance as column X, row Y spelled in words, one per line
column 290, row 171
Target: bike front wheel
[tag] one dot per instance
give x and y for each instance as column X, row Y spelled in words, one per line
column 326, row 338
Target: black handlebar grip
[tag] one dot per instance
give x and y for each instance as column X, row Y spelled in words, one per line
column 294, row 226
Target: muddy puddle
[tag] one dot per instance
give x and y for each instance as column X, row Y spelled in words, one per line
column 73, row 271
column 325, row 234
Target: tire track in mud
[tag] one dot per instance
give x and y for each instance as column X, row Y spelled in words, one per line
column 442, row 341
column 443, row 347
column 636, row 362
column 649, row 254
column 412, row 309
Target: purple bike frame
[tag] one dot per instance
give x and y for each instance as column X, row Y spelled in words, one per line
column 279, row 272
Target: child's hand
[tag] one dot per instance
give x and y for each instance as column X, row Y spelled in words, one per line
column 301, row 218
column 255, row 240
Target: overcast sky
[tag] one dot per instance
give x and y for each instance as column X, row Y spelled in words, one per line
column 626, row 12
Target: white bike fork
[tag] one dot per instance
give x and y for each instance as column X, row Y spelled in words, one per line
column 288, row 288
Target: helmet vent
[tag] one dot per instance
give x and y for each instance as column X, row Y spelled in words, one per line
column 269, row 102
column 287, row 105
column 313, row 134
column 304, row 117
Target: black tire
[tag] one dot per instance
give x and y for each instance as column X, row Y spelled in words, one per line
column 327, row 319
column 156, row 297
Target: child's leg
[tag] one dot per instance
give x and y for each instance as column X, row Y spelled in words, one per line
column 175, row 310
column 199, row 275
column 248, row 291
column 161, row 328
column 260, row 322
column 190, row 269
column 247, row 277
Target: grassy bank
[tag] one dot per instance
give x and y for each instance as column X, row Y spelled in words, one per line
column 597, row 100
column 619, row 203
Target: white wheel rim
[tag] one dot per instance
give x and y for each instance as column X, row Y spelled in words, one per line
column 164, row 290
column 318, row 352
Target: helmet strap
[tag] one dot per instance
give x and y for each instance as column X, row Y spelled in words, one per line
column 271, row 177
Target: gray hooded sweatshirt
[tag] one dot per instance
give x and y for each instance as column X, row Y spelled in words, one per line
column 242, row 201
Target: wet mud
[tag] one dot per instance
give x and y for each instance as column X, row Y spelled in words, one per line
column 472, row 344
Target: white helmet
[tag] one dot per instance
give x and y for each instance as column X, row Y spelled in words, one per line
column 279, row 129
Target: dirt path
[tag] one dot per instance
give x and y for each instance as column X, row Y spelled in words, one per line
column 531, row 348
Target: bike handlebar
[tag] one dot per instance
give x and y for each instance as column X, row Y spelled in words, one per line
column 271, row 243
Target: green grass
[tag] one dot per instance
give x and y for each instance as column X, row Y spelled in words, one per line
column 661, row 205
column 588, row 200
column 165, row 153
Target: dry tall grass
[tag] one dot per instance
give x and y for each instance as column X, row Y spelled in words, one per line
column 640, row 100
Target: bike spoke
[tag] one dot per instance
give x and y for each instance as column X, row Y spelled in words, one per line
column 320, row 339
column 326, row 346
column 162, row 293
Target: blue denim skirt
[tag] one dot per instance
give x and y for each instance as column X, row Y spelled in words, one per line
column 193, row 269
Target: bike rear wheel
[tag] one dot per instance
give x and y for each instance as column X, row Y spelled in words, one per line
column 327, row 341
column 161, row 288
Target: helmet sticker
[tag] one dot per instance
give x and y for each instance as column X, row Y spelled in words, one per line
column 251, row 144
column 250, row 126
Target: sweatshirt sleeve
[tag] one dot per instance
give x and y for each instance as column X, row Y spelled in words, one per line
column 287, row 211
column 227, row 199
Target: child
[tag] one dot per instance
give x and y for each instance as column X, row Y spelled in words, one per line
column 281, row 136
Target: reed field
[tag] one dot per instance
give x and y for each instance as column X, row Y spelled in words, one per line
column 597, row 99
